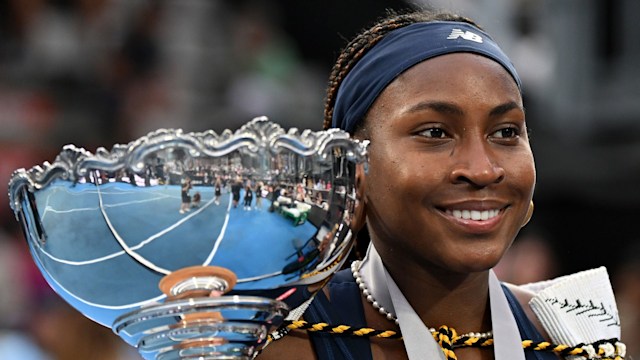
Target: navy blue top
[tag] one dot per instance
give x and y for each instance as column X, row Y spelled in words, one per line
column 346, row 308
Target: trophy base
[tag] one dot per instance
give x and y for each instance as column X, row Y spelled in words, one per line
column 226, row 327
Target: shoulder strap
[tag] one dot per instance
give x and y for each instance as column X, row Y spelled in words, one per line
column 345, row 308
column 526, row 328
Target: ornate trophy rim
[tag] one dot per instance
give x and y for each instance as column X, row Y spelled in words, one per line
column 74, row 162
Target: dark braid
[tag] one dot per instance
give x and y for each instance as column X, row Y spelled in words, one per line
column 356, row 48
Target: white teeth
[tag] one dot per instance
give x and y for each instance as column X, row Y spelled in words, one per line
column 474, row 214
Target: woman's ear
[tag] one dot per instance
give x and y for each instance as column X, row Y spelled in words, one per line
column 359, row 213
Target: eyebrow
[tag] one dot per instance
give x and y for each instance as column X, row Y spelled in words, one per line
column 504, row 108
column 452, row 109
column 438, row 106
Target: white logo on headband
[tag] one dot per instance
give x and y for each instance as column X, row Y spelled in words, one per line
column 467, row 35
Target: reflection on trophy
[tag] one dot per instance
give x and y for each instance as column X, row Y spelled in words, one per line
column 193, row 245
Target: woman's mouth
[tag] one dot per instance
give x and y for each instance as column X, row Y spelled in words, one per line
column 476, row 221
column 473, row 214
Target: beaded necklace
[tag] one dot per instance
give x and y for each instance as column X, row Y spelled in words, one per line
column 355, row 270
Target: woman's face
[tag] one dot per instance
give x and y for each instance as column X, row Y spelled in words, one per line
column 451, row 172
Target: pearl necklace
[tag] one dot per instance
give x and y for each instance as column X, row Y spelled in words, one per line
column 355, row 270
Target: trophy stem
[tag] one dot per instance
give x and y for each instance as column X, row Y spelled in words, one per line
column 197, row 281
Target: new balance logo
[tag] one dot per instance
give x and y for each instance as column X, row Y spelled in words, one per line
column 467, row 35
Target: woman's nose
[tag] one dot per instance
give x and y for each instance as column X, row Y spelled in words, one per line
column 475, row 163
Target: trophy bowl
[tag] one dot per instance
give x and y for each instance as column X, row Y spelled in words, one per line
column 193, row 245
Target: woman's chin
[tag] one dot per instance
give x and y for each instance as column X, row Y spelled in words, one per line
column 474, row 262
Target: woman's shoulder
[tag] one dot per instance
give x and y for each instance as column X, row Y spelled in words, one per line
column 583, row 303
column 297, row 344
column 524, row 296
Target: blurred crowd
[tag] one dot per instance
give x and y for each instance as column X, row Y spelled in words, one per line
column 100, row 72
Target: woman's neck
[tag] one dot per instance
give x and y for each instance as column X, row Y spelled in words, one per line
column 440, row 297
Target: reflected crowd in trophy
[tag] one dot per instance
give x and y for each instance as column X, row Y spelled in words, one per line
column 293, row 198
column 95, row 73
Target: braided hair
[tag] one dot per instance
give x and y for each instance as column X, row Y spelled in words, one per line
column 356, row 48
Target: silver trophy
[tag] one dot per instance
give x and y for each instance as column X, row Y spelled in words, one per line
column 193, row 245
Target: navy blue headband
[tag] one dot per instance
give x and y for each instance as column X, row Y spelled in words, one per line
column 400, row 50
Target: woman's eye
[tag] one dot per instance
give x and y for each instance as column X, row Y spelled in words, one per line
column 506, row 133
column 435, row 133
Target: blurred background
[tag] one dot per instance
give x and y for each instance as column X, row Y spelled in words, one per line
column 99, row 72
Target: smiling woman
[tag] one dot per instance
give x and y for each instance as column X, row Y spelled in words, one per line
column 447, row 157
column 448, row 186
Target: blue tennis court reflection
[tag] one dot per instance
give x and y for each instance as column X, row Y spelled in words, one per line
column 134, row 235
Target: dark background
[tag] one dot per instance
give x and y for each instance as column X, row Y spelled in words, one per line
column 95, row 73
